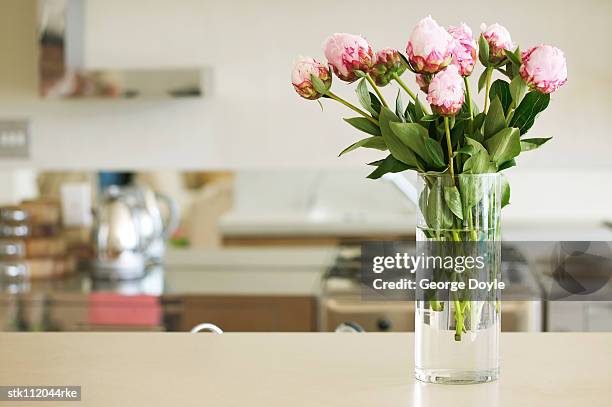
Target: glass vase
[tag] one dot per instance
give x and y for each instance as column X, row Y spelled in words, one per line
column 457, row 331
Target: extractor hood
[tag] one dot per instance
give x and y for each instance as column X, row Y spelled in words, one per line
column 63, row 72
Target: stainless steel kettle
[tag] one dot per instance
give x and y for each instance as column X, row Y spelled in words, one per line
column 129, row 231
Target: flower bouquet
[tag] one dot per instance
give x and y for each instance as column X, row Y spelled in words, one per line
column 459, row 153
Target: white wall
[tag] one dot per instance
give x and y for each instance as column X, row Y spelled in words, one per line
column 254, row 119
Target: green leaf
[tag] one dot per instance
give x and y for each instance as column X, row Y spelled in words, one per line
column 504, row 145
column 514, row 56
column 506, row 165
column 423, row 203
column 479, row 120
column 415, row 112
column 419, row 111
column 453, row 200
column 435, row 152
column 529, row 144
column 471, row 190
column 399, row 106
column 416, row 137
column 465, row 150
column 483, row 51
column 495, row 120
column 364, row 95
column 428, row 118
column 397, row 148
column 512, row 70
column 478, row 136
column 482, row 80
column 501, row 90
column 438, row 214
column 363, row 124
column 412, row 135
column 404, row 60
column 529, row 109
column 376, row 104
column 371, row 142
column 478, row 163
column 457, row 131
column 359, row 74
column 464, row 113
column 518, row 89
column 410, row 113
column 376, row 163
column 505, row 192
column 366, row 99
column 318, row 84
column 389, row 164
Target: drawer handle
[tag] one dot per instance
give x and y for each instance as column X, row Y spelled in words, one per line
column 349, row 327
column 206, row 327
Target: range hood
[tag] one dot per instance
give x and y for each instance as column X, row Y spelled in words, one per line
column 63, row 72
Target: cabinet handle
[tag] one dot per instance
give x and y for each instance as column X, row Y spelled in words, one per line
column 206, row 327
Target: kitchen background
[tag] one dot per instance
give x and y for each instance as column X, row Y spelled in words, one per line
column 269, row 215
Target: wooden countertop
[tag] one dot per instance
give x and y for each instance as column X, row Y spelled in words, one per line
column 164, row 369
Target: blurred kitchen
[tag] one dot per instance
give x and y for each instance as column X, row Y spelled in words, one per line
column 158, row 171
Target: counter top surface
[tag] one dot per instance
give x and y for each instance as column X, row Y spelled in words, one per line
column 314, row 224
column 143, row 369
column 401, row 224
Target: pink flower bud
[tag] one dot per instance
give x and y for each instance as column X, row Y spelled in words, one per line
column 388, row 62
column 446, row 92
column 423, row 81
column 499, row 40
column 300, row 77
column 429, row 48
column 544, row 68
column 464, row 49
column 347, row 53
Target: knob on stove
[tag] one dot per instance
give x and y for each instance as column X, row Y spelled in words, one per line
column 384, row 324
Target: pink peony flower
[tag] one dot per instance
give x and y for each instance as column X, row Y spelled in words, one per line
column 446, row 92
column 499, row 40
column 388, row 62
column 423, row 81
column 347, row 53
column 429, row 48
column 464, row 50
column 544, row 68
column 300, row 77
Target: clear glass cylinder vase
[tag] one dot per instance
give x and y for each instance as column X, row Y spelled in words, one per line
column 457, row 330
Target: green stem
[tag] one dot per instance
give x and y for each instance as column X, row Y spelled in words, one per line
column 449, row 147
column 488, row 89
column 458, row 314
column 473, row 234
column 404, row 86
column 469, row 102
column 380, row 96
column 451, row 169
column 435, row 305
column 352, row 107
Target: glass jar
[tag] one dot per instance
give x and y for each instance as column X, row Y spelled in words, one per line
column 457, row 330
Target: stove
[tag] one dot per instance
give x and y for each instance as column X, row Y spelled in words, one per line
column 342, row 301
